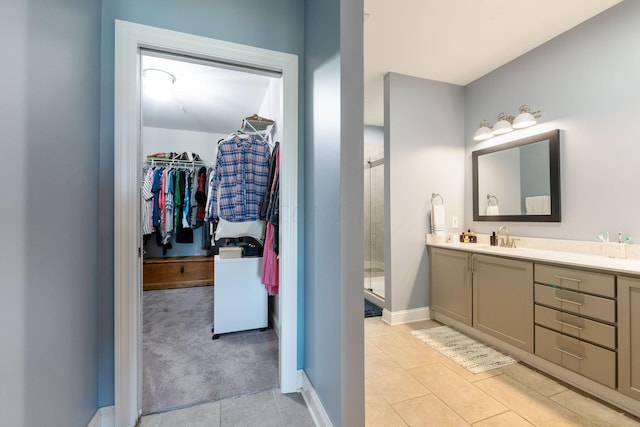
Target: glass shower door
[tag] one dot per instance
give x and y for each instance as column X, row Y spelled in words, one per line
column 374, row 227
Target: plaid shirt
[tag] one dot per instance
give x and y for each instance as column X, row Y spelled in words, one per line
column 240, row 179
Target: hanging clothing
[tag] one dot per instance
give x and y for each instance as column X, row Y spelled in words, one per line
column 155, row 189
column 270, row 261
column 186, row 207
column 201, row 196
column 240, row 179
column 184, row 233
column 147, row 202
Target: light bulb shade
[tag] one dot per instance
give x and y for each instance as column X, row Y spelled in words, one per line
column 524, row 120
column 502, row 125
column 158, row 84
column 483, row 132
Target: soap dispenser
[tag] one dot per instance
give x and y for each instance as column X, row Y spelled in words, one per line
column 493, row 239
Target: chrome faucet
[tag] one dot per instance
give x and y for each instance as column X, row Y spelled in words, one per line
column 507, row 240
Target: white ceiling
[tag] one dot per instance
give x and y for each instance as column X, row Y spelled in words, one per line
column 207, row 97
column 453, row 41
column 457, row 41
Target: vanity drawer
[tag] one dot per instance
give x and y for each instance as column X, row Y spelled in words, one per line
column 579, row 327
column 578, row 280
column 588, row 360
column 575, row 302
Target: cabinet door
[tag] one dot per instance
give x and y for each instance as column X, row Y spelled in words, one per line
column 503, row 299
column 629, row 336
column 450, row 287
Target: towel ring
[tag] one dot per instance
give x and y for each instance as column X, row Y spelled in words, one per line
column 434, row 197
column 489, row 199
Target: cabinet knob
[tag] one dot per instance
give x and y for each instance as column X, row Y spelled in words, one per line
column 182, row 269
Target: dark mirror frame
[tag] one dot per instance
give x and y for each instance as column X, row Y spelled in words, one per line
column 554, row 170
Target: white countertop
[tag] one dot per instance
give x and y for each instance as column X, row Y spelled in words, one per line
column 576, row 259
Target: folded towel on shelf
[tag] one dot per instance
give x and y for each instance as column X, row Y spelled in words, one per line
column 538, row 205
column 437, row 220
column 493, row 210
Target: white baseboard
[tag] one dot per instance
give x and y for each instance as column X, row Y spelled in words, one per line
column 405, row 316
column 104, row 417
column 319, row 415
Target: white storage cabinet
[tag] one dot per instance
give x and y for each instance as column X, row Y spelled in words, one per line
column 240, row 300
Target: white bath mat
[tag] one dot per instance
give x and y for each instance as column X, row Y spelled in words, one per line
column 471, row 355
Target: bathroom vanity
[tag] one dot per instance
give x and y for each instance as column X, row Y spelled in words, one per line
column 573, row 315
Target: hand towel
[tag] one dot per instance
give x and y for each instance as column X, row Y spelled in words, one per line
column 437, row 220
column 493, row 210
column 538, row 205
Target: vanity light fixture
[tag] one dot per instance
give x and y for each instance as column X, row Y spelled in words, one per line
column 526, row 118
column 505, row 123
column 483, row 132
column 158, row 84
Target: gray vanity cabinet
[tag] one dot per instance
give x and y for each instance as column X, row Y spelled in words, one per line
column 503, row 299
column 450, row 284
column 629, row 336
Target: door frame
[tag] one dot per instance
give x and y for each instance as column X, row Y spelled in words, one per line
column 129, row 39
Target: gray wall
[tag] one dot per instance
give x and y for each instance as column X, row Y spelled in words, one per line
column 535, row 179
column 424, row 154
column 278, row 27
column 586, row 84
column 333, row 327
column 49, row 119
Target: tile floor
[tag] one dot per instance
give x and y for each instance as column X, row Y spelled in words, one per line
column 268, row 408
column 407, row 383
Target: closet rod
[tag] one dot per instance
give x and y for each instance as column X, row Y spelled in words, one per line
column 184, row 163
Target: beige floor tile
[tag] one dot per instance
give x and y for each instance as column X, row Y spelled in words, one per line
column 374, row 326
column 506, row 419
column 428, row 411
column 408, row 351
column 532, row 379
column 407, row 328
column 464, row 373
column 204, row 415
column 462, row 396
column 370, row 347
column 378, row 412
column 529, row 404
column 593, row 411
column 390, row 381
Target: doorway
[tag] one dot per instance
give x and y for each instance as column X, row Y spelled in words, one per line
column 130, row 39
column 188, row 106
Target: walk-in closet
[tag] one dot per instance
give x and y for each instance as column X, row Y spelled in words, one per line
column 209, row 191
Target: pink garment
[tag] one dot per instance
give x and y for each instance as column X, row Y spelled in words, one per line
column 270, row 261
column 270, row 264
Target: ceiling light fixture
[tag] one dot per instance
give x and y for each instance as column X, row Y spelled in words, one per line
column 158, row 84
column 506, row 123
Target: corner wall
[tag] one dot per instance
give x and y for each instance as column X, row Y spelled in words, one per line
column 49, row 117
column 586, row 83
column 333, row 318
column 424, row 154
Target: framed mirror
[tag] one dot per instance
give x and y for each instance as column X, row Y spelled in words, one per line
column 519, row 180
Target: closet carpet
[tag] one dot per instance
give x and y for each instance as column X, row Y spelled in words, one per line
column 183, row 366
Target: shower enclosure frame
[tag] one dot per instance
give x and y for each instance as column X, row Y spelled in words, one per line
column 374, row 236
